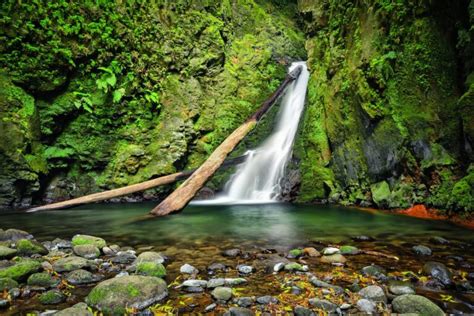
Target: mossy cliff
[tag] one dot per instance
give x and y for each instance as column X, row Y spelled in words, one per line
column 390, row 107
column 96, row 94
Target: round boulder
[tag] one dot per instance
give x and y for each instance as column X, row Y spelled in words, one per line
column 410, row 303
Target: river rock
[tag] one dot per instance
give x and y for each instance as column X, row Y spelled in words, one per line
column 400, row 288
column 362, row 238
column 87, row 251
column 210, row 308
column 239, row 311
column 88, row 240
column 71, row 263
column 42, row 279
column 194, row 289
column 318, row 283
column 80, row 309
column 124, row 257
column 422, row 250
column 188, row 269
column 222, row 293
column 311, row 252
column 349, row 250
column 20, row 270
column 278, row 267
column 113, row 296
column 4, row 303
column 439, row 240
column 374, row 293
column 232, row 253
column 335, row 258
column 295, row 253
column 303, row 311
column 234, row 281
column 7, row 284
column 151, row 269
column 439, row 272
column 244, row 301
column 194, row 283
column 244, row 269
column 374, row 271
column 325, row 305
column 14, row 235
column 80, row 276
column 267, row 299
column 294, row 266
column 27, row 247
column 366, row 306
column 410, row 303
column 6, row 252
column 59, row 243
column 149, row 256
column 330, row 251
column 216, row 266
column 52, row 297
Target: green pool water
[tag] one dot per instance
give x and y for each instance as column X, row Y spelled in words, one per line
column 271, row 224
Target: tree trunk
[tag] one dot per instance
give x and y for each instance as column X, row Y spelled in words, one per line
column 177, row 200
column 106, row 195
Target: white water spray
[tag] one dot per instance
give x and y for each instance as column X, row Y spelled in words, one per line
column 257, row 180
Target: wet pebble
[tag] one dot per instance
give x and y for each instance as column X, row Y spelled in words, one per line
column 188, row 269
column 244, row 269
column 210, row 308
column 422, row 250
column 438, row 271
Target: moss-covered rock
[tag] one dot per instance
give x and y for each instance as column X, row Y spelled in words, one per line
column 21, row 269
column 6, row 252
column 51, row 297
column 7, row 283
column 42, row 279
column 88, row 251
column 88, row 240
column 26, row 247
column 115, row 295
column 151, row 269
column 71, row 263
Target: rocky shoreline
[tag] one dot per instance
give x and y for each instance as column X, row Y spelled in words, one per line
column 86, row 275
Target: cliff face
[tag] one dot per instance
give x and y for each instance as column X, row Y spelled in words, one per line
column 96, row 95
column 390, row 112
column 99, row 95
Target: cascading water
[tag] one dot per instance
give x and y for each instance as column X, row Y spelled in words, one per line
column 257, row 180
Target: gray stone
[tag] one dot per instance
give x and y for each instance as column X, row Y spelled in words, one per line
column 87, row 251
column 318, row 283
column 194, row 289
column 244, row 301
column 70, row 263
column 188, row 269
column 124, row 257
column 400, row 288
column 439, row 240
column 439, row 272
column 244, row 269
column 303, row 311
column 278, row 267
column 201, row 283
column 113, row 296
column 374, row 293
column 421, row 250
column 79, row 309
column 325, row 305
column 222, row 293
column 210, row 308
column 42, row 279
column 239, row 311
column 149, row 256
column 234, row 281
column 231, row 253
column 14, row 235
column 212, row 283
column 80, row 276
column 6, row 252
column 366, row 306
column 52, row 297
column 330, row 251
column 410, row 303
column 216, row 267
column 267, row 299
column 374, row 271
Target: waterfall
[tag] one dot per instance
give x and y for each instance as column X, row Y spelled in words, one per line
column 257, row 179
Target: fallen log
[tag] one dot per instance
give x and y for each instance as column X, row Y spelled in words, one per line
column 107, row 195
column 177, row 200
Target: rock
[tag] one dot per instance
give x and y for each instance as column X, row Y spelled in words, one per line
column 20, row 270
column 330, row 251
column 210, row 308
column 212, row 283
column 124, row 257
column 366, row 306
column 234, row 281
column 409, row 303
column 244, row 301
column 335, row 258
column 318, row 283
column 70, row 263
column 79, row 309
column 194, row 283
column 46, row 265
column 6, row 252
column 109, row 251
column 324, row 305
column 244, row 269
column 194, row 289
column 267, row 299
column 362, row 238
column 149, row 256
column 216, row 267
column 113, row 296
column 14, row 235
column 374, row 271
column 311, row 252
column 293, row 266
column 374, row 293
column 61, row 244
column 278, row 267
column 295, row 253
column 400, row 288
column 239, row 311
column 231, row 253
column 88, row 251
column 151, row 269
column 439, row 272
column 27, row 247
column 88, row 240
column 7, row 283
column 421, row 250
column 80, row 276
column 4, row 303
column 14, row 292
column 439, row 240
column 345, row 306
column 188, row 269
column 349, row 250
column 303, row 311
column 222, row 293
column 52, row 297
column 42, row 279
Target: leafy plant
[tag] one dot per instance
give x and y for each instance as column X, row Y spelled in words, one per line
column 83, row 101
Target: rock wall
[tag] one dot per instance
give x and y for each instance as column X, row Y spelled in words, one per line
column 390, row 111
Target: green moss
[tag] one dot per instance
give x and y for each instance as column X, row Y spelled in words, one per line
column 349, row 250
column 51, row 297
column 7, row 283
column 88, row 240
column 20, row 270
column 43, row 279
column 295, row 253
column 151, row 269
column 28, row 247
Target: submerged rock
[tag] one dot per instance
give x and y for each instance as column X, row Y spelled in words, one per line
column 88, row 240
column 195, row 283
column 400, row 288
column 244, row 269
column 115, row 295
column 439, row 272
column 267, row 299
column 374, row 271
column 79, row 309
column 244, row 301
column 303, row 311
column 231, row 253
column 318, row 283
column 410, row 303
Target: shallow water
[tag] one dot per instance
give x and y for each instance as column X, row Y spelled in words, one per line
column 265, row 225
